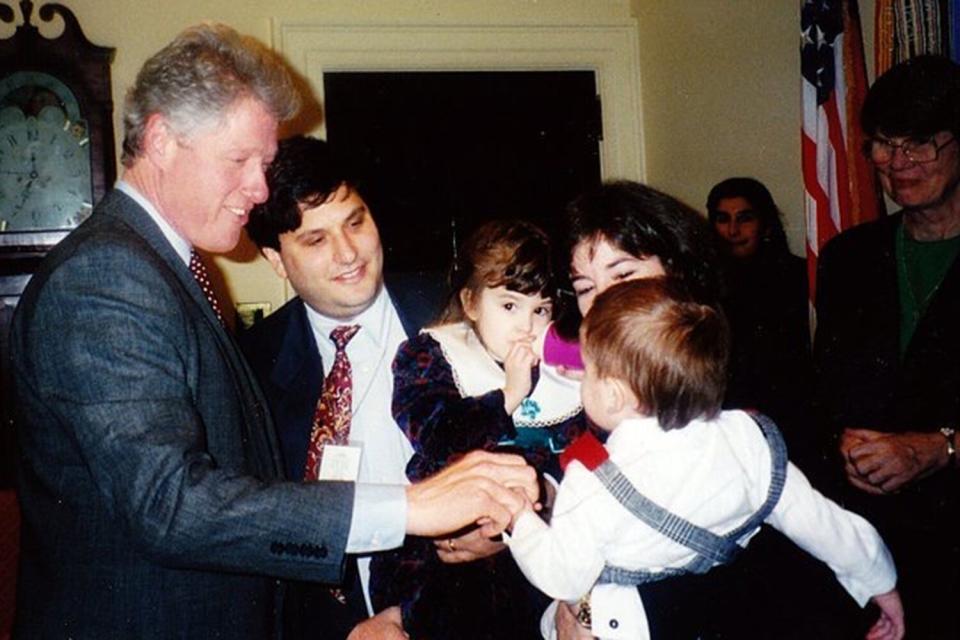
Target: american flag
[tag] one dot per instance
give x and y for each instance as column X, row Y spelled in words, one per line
column 839, row 184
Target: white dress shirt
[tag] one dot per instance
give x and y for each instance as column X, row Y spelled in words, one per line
column 178, row 242
column 715, row 474
column 385, row 449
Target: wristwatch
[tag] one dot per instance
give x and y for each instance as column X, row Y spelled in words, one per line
column 584, row 614
column 951, row 435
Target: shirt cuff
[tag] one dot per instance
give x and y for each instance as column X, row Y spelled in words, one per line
column 528, row 524
column 548, row 622
column 617, row 613
column 878, row 579
column 379, row 520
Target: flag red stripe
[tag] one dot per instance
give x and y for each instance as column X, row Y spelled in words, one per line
column 820, row 216
column 811, row 182
column 846, row 181
column 839, row 161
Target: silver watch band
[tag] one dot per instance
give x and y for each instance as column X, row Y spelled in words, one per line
column 951, row 436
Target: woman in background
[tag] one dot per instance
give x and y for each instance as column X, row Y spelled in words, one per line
column 766, row 303
column 771, row 370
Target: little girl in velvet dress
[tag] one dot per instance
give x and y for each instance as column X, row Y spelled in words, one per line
column 474, row 381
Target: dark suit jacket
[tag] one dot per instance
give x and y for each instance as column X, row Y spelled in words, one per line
column 282, row 350
column 858, row 330
column 148, row 464
column 863, row 382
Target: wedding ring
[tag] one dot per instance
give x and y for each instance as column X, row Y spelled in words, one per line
column 450, row 544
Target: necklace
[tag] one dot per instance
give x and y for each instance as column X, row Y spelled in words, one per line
column 929, row 228
column 917, row 306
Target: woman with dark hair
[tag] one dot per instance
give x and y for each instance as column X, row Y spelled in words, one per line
column 625, row 230
column 746, row 218
column 888, row 339
column 766, row 303
column 615, row 232
column 771, row 370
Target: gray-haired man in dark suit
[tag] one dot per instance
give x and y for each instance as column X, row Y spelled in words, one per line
column 150, row 471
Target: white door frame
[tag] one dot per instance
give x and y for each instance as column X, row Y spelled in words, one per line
column 610, row 51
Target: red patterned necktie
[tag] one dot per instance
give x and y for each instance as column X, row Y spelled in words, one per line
column 331, row 420
column 199, row 271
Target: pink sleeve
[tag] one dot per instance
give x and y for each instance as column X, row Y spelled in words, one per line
column 558, row 352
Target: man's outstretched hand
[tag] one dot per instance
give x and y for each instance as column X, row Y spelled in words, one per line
column 477, row 489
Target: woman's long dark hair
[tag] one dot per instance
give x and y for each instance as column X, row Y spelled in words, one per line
column 644, row 222
column 773, row 237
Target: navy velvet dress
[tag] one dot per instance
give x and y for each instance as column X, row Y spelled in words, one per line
column 488, row 598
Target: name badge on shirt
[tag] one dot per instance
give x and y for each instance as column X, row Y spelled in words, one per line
column 340, row 462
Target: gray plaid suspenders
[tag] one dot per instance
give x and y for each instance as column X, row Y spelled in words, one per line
column 711, row 549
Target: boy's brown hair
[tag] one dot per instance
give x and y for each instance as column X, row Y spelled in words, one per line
column 671, row 351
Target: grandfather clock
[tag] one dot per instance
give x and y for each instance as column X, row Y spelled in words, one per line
column 56, row 127
column 56, row 153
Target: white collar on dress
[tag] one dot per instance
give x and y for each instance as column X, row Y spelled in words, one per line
column 475, row 373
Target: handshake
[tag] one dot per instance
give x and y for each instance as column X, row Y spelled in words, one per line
column 486, row 489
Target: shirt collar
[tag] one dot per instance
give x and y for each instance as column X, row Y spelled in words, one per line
column 179, row 244
column 373, row 320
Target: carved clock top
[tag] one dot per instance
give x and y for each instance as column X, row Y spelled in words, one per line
column 28, row 38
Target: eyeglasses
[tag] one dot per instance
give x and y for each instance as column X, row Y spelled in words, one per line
column 918, row 150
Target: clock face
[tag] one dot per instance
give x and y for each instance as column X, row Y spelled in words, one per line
column 44, row 155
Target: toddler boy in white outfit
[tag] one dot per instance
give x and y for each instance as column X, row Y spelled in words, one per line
column 680, row 486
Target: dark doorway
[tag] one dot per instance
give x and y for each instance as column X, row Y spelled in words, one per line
column 448, row 150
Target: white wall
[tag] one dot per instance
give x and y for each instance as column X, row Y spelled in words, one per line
column 719, row 79
column 721, row 96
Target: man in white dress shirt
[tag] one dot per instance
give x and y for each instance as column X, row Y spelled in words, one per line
column 318, row 233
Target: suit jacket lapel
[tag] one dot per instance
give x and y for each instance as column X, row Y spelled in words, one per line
column 298, row 360
column 296, row 375
column 120, row 205
column 417, row 297
column 257, row 426
column 887, row 306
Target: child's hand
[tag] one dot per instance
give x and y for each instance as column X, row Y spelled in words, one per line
column 889, row 626
column 571, row 373
column 517, row 365
column 527, row 506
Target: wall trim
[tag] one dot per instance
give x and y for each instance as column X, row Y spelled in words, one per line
column 611, row 51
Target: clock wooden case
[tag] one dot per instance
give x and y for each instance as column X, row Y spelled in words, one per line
column 56, row 128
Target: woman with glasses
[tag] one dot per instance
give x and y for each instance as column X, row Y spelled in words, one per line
column 888, row 339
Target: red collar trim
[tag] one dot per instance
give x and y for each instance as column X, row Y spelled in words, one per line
column 586, row 449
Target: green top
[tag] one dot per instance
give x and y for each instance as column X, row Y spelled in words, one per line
column 921, row 267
